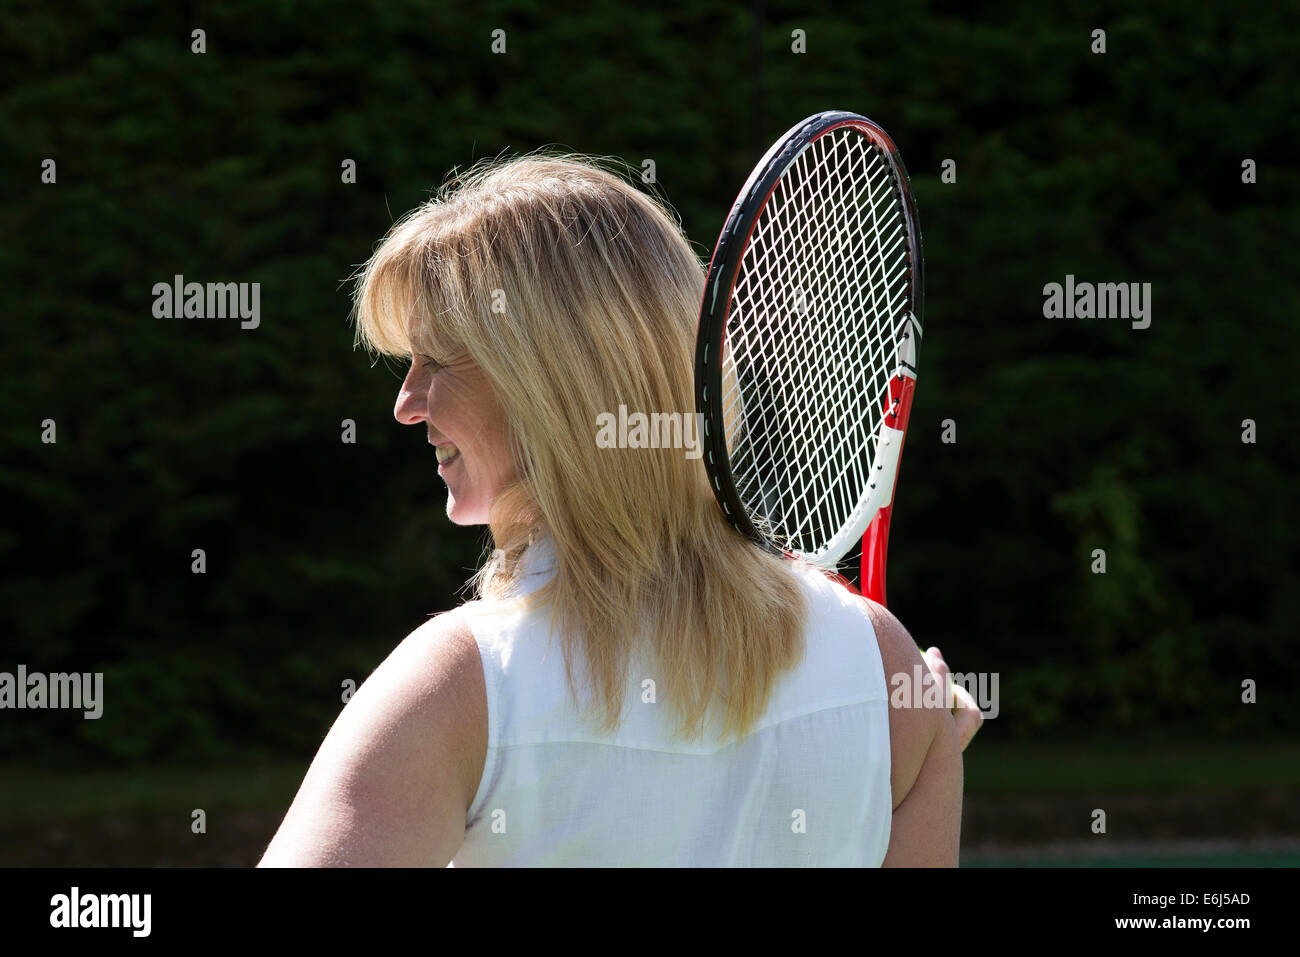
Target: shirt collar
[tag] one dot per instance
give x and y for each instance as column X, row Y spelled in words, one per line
column 537, row 563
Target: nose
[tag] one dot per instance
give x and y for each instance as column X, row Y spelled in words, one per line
column 409, row 409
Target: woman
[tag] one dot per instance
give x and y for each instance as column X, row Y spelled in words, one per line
column 734, row 707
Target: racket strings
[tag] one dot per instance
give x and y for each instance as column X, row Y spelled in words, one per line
column 820, row 301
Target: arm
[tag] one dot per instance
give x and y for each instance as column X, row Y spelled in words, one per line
column 926, row 774
column 393, row 779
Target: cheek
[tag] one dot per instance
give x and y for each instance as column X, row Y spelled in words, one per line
column 450, row 412
column 496, row 446
column 499, row 445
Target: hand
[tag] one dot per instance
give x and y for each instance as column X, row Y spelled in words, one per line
column 965, row 710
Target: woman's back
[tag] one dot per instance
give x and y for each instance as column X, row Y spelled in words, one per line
column 810, row 786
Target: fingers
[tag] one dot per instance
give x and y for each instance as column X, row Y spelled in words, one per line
column 934, row 659
column 939, row 668
column 966, row 710
column 968, row 715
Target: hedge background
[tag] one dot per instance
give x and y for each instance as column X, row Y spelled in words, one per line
column 1071, row 434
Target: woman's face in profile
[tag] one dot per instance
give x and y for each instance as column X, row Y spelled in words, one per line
column 466, row 426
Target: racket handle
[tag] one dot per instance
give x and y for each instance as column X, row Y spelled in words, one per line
column 875, row 548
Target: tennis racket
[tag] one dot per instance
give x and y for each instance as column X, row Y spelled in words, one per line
column 805, row 358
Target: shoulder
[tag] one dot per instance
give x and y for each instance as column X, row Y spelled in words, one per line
column 441, row 666
column 826, row 592
column 395, row 776
column 912, row 729
column 444, row 640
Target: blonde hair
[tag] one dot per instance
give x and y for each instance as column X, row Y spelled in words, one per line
column 575, row 293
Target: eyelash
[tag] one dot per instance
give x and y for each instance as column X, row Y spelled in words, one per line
column 429, row 361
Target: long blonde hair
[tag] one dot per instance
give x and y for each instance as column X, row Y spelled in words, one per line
column 576, row 293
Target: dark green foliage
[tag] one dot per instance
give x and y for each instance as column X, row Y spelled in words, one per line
column 1072, row 434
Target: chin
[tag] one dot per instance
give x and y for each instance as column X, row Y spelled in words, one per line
column 462, row 515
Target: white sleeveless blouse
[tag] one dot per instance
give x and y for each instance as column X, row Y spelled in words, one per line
column 809, row 787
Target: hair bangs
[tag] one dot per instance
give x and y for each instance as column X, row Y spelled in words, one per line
column 408, row 296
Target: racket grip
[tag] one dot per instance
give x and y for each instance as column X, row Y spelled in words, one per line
column 875, row 548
